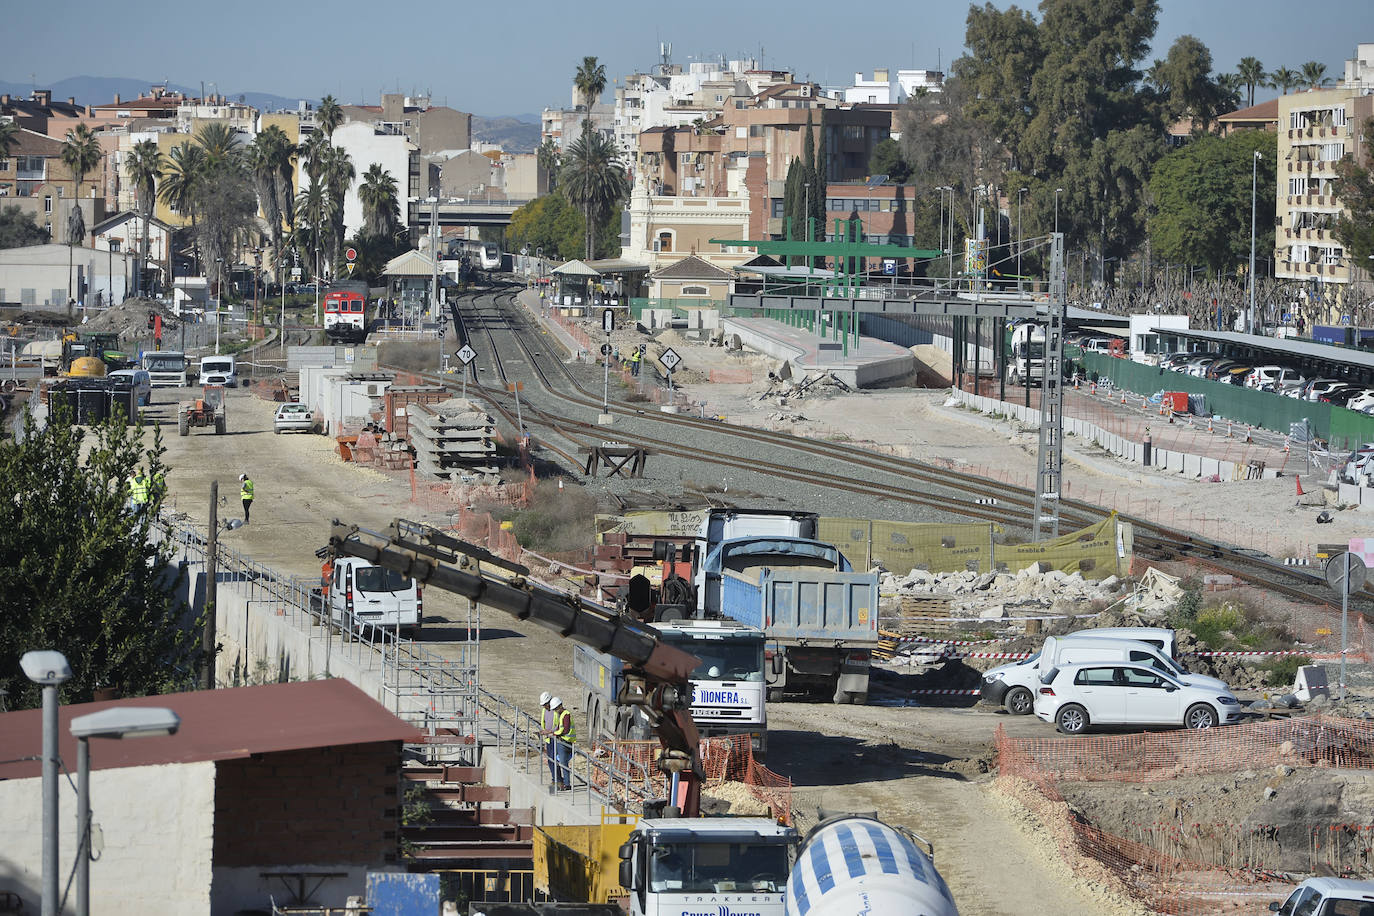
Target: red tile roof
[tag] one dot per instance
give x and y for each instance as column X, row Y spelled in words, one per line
column 225, row 724
column 1264, row 111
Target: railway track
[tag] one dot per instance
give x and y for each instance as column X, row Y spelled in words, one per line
column 892, row 479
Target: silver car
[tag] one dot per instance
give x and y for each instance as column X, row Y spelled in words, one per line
column 294, row 418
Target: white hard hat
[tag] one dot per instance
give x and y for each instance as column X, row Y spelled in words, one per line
column 556, row 703
column 544, row 698
column 243, row 477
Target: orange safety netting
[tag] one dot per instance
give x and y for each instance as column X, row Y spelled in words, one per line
column 630, row 773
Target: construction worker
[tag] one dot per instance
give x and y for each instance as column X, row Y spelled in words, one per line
column 245, row 494
column 158, row 486
column 140, row 489
column 564, row 734
column 546, row 724
column 635, row 356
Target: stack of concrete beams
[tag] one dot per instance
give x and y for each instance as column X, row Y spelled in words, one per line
column 452, row 439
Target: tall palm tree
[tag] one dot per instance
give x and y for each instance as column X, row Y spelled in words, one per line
column 1228, row 92
column 181, row 179
column 1251, row 73
column 548, row 157
column 218, row 142
column 80, row 154
column 265, row 156
column 9, row 138
column 330, row 116
column 590, row 81
column 1284, row 79
column 313, row 214
column 312, row 154
column 381, row 209
column 338, row 178
column 1314, row 75
column 593, row 178
column 144, row 164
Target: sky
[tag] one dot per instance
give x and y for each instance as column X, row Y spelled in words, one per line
column 514, row 57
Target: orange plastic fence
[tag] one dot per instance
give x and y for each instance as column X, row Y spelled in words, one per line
column 723, row 760
column 1299, row 741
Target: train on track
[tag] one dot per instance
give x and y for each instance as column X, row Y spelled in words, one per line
column 345, row 313
column 485, row 255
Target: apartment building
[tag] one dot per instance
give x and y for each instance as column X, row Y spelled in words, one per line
column 564, row 125
column 35, row 162
column 1315, row 130
column 40, row 114
column 388, row 147
column 192, row 114
column 432, row 128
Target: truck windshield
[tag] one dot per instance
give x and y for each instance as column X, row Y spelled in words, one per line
column 164, row 363
column 216, row 365
column 378, row 579
column 722, row 660
column 717, row 867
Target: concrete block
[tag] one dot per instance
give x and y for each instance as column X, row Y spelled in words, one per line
column 1311, row 682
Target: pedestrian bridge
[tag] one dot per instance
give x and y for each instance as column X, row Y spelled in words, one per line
column 462, row 212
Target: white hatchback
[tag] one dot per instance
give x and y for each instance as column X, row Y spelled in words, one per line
column 1075, row 697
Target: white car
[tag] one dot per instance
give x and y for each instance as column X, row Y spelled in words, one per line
column 139, row 380
column 294, row 417
column 1328, row 897
column 1076, row 697
column 1361, row 402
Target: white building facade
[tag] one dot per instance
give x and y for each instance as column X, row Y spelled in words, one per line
column 366, row 145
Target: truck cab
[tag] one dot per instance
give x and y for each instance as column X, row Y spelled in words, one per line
column 218, row 370
column 727, row 687
column 166, row 368
column 673, row 866
column 361, row 595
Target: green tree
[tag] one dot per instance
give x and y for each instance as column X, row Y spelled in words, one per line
column 548, row 157
column 181, row 177
column 590, row 81
column 1202, row 200
column 1284, row 79
column 793, row 219
column 338, row 177
column 9, row 138
column 378, row 195
column 224, row 202
column 329, row 117
column 1229, row 86
column 1005, row 53
column 314, row 217
column 220, row 145
column 1251, row 73
column 887, row 160
column 1314, row 75
column 1354, row 228
column 18, row 229
column 819, row 171
column 550, row 223
column 144, row 164
column 79, row 568
column 80, row 154
column 593, row 179
column 269, row 159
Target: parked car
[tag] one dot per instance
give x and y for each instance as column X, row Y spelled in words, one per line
column 1235, row 375
column 139, row 380
column 1279, row 377
column 1328, row 897
column 1077, row 697
column 1198, row 365
column 294, row 417
column 1342, row 396
column 1361, row 402
column 1314, row 389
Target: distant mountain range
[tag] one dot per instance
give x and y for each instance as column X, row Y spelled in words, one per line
column 514, row 133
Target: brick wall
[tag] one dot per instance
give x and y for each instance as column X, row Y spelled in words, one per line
column 331, row 805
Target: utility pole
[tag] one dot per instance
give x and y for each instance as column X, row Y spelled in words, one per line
column 1050, row 459
column 1250, row 317
column 211, row 591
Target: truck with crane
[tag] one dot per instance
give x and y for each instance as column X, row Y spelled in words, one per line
column 674, row 863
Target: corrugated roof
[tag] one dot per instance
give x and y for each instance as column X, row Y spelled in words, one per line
column 1283, row 347
column 410, row 264
column 225, row 724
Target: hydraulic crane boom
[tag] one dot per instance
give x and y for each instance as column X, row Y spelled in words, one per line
column 659, row 673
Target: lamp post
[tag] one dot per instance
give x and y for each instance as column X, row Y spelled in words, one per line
column 1254, row 177
column 48, row 669
column 219, row 299
column 1019, row 236
column 1057, row 192
column 116, row 722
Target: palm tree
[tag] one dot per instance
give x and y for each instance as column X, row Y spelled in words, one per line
column 144, row 164
column 590, row 81
column 80, row 154
column 265, row 158
column 1228, row 92
column 1314, row 75
column 181, row 179
column 548, row 160
column 9, row 137
column 338, row 176
column 377, row 193
column 330, row 116
column 1284, row 79
column 312, row 153
column 217, row 140
column 593, row 177
column 313, row 213
column 1251, row 73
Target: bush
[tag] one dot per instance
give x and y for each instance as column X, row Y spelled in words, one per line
column 557, row 520
column 1215, row 624
column 1281, row 672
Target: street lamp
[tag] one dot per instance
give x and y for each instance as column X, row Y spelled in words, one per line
column 48, row 669
column 1019, row 281
column 219, row 300
column 1254, row 177
column 116, row 722
column 1057, row 192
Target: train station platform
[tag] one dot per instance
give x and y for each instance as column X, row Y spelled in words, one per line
column 871, row 362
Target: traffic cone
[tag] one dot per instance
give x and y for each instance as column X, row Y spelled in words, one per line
column 1298, row 481
column 1209, row 424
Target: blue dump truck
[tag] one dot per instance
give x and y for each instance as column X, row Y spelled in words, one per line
column 818, row 616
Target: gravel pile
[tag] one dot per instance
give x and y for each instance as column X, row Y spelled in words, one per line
column 129, row 319
column 784, row 387
column 994, row 596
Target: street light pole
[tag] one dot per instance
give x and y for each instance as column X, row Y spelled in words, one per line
column 1254, row 177
column 48, row 669
column 942, row 190
column 1019, row 237
column 1057, row 192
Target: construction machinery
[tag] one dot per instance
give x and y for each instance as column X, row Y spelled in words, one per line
column 206, row 410
column 102, row 346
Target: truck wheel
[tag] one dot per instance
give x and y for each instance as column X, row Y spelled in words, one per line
column 184, row 424
column 1018, row 701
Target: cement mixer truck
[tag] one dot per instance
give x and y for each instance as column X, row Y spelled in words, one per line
column 857, row 864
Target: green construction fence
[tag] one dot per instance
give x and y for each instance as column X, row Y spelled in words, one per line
column 1341, row 428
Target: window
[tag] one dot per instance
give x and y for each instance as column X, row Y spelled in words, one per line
column 1338, row 117
column 695, row 291
column 27, row 297
column 778, row 205
column 1297, row 186
column 47, row 203
column 854, row 131
column 758, row 130
column 1135, row 677
column 665, row 240
column 720, row 98
column 684, row 158
column 1330, row 152
column 4, row 165
column 1096, row 677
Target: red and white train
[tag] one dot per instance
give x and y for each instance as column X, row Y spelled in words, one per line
column 345, row 316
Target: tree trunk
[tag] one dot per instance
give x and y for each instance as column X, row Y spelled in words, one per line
column 587, row 206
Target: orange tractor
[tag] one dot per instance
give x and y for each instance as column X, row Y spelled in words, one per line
column 206, row 410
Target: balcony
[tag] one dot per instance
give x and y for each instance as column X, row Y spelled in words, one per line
column 31, row 174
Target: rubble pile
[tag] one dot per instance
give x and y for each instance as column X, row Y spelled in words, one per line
column 1034, row 591
column 783, row 386
column 129, row 319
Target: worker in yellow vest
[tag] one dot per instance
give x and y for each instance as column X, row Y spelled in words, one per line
column 636, row 355
column 246, row 494
column 564, row 734
column 546, row 724
column 140, row 488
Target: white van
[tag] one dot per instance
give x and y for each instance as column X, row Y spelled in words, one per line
column 1013, row 686
column 218, row 370
column 1162, row 638
column 364, row 595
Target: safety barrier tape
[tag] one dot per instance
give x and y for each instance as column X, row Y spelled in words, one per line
column 948, row 693
column 1003, row 620
column 951, row 642
column 908, row 644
